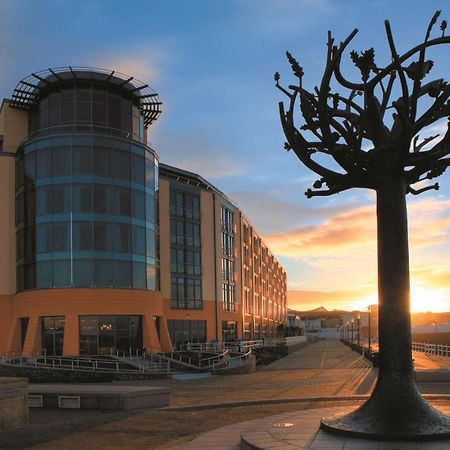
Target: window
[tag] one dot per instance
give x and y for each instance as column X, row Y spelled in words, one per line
column 122, row 238
column 103, row 237
column 82, row 236
column 102, row 199
column 103, row 273
column 186, row 331
column 61, row 198
column 60, row 237
column 82, row 198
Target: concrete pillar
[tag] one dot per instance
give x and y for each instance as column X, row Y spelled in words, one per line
column 33, row 338
column 150, row 335
column 71, row 345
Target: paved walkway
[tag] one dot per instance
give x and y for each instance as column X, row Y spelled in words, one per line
column 298, row 431
column 323, row 369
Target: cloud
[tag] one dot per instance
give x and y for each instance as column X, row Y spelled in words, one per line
column 355, row 232
column 142, row 62
column 199, row 152
column 341, row 299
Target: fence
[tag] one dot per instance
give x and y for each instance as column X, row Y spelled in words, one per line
column 431, row 349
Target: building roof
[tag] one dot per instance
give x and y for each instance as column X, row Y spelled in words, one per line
column 191, row 178
column 27, row 91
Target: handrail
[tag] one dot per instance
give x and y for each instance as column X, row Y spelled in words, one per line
column 431, row 349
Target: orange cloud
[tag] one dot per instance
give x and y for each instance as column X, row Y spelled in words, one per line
column 355, row 231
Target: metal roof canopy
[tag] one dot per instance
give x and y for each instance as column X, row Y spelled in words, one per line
column 27, row 90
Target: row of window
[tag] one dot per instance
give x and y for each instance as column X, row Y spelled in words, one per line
column 98, row 160
column 83, row 102
column 83, row 198
column 184, row 233
column 186, row 293
column 87, row 273
column 185, row 253
column 56, row 237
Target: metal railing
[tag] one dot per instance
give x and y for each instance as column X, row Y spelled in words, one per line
column 128, row 364
column 431, row 349
column 208, row 363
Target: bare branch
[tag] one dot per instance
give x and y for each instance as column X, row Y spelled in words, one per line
column 398, row 66
column 412, row 191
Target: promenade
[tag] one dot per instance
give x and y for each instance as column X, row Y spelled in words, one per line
column 323, row 374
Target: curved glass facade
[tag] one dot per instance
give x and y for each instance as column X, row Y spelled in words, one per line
column 86, row 213
column 84, row 105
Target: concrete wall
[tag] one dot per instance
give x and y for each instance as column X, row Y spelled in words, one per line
column 13, row 403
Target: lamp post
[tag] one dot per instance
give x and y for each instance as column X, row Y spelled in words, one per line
column 353, row 320
column 370, row 348
column 359, row 329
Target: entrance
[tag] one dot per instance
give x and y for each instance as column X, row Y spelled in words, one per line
column 53, row 335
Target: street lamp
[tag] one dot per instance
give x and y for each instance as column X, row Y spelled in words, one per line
column 370, row 348
column 353, row 320
column 359, row 328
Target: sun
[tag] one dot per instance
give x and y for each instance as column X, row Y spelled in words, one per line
column 423, row 300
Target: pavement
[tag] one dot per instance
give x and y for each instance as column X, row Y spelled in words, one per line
column 323, row 374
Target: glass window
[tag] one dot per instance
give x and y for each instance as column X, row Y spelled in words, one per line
column 30, row 243
column 81, row 160
column 99, row 94
column 61, row 161
column 44, row 238
column 43, row 200
column 82, row 198
column 122, row 201
column 83, row 112
column 122, row 274
column 30, row 276
column 82, row 272
column 68, row 93
column 149, row 173
column 61, row 274
column 103, row 162
column 138, row 240
column 61, row 198
column 151, row 277
column 139, row 275
column 103, row 199
column 68, row 112
column 53, row 116
column 122, row 164
column 44, row 276
column 20, row 244
column 103, row 237
column 30, row 166
column 99, row 114
column 60, row 237
column 137, row 169
column 82, row 236
column 138, row 204
column 44, row 163
column 150, row 242
column 122, row 238
column 150, row 208
column 103, row 273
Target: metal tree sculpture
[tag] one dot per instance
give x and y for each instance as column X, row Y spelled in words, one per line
column 339, row 127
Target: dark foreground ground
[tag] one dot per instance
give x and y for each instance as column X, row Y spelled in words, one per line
column 319, row 375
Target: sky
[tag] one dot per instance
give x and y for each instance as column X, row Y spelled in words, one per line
column 212, row 63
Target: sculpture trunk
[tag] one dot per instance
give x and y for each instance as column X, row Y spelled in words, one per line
column 395, row 410
column 393, row 284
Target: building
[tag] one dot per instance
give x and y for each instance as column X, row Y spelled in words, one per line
column 102, row 247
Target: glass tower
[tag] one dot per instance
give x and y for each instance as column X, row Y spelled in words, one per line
column 87, row 183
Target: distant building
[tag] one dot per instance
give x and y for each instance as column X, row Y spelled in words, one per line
column 102, row 247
